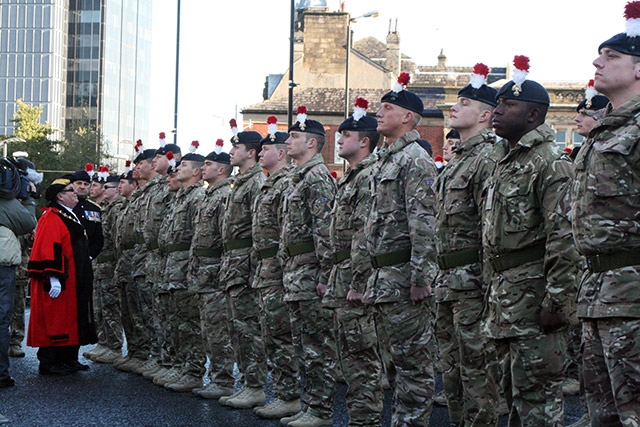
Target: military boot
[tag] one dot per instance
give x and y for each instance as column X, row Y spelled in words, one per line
column 278, row 408
column 108, row 356
column 172, row 375
column 310, row 420
column 223, row 399
column 150, row 364
column 184, row 383
column 213, row 391
column 286, row 420
column 250, row 397
column 130, row 366
column 152, row 375
column 96, row 351
column 15, row 350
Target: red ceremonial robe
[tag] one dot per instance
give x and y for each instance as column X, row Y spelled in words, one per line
column 60, row 249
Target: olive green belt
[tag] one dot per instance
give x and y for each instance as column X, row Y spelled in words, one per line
column 152, row 245
column 340, row 256
column 208, row 252
column 604, row 262
column 238, row 244
column 518, row 257
column 177, row 247
column 391, row 258
column 269, row 252
column 103, row 259
column 458, row 258
column 300, row 248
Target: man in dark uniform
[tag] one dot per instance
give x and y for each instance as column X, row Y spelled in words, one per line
column 88, row 212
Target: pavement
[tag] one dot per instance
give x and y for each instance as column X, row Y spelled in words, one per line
column 104, row 396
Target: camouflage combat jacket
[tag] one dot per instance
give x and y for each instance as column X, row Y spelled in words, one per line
column 267, row 217
column 126, row 239
column 177, row 233
column 606, row 207
column 157, row 204
column 140, row 218
column 305, row 249
column 106, row 260
column 460, row 190
column 351, row 262
column 238, row 264
column 527, row 206
column 401, row 225
column 206, row 246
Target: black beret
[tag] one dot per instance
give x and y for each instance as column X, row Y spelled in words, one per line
column 80, row 176
column 57, row 186
column 453, row 134
column 366, row 123
column 309, row 126
column 174, row 169
column 147, row 154
column 598, row 102
column 128, row 175
column 405, row 99
column 174, row 148
column 484, row 94
column 222, row 158
column 246, row 137
column 623, row 44
column 532, row 91
column 193, row 157
column 275, row 138
column 113, row 178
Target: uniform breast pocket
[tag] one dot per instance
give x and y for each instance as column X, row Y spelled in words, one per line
column 614, row 176
column 390, row 192
column 459, row 196
column 296, row 210
column 519, row 207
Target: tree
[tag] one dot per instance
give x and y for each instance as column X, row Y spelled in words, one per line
column 27, row 124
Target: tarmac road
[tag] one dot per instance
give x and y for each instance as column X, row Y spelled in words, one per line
column 104, row 396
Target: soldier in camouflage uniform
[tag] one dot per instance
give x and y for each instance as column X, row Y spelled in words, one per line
column 154, row 212
column 238, row 269
column 357, row 340
column 400, row 231
column 132, row 320
column 527, row 240
column 274, row 311
column 185, row 319
column 605, row 228
column 203, row 276
column 105, row 290
column 468, row 357
column 306, row 256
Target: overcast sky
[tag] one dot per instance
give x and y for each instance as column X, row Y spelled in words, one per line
column 228, row 48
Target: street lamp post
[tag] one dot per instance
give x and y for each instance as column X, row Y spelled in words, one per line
column 6, row 142
column 371, row 14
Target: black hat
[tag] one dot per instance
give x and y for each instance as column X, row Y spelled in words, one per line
column 113, row 178
column 453, row 134
column 174, row 148
column 592, row 101
column 629, row 41
column 477, row 88
column 359, row 121
column 402, row 97
column 221, row 157
column 304, row 125
column 147, row 154
column 246, row 137
column 128, row 175
column 191, row 155
column 57, row 186
column 174, row 169
column 521, row 89
column 274, row 136
column 82, row 175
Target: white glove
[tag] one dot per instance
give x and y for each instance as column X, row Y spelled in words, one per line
column 56, row 288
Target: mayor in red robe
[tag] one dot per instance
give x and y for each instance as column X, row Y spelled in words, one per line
column 61, row 317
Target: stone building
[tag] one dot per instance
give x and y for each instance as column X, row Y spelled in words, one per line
column 320, row 64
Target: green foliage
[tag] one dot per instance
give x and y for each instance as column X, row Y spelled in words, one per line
column 27, row 124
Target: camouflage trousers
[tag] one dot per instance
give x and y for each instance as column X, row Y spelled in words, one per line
column 168, row 338
column 612, row 370
column 128, row 306
column 138, row 340
column 278, row 343
column 532, row 374
column 573, row 336
column 106, row 304
column 215, row 335
column 470, row 370
column 361, row 364
column 314, row 338
column 245, row 334
column 185, row 319
column 406, row 329
column 19, row 302
column 145, row 308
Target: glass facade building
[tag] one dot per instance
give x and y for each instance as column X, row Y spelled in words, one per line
column 87, row 61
